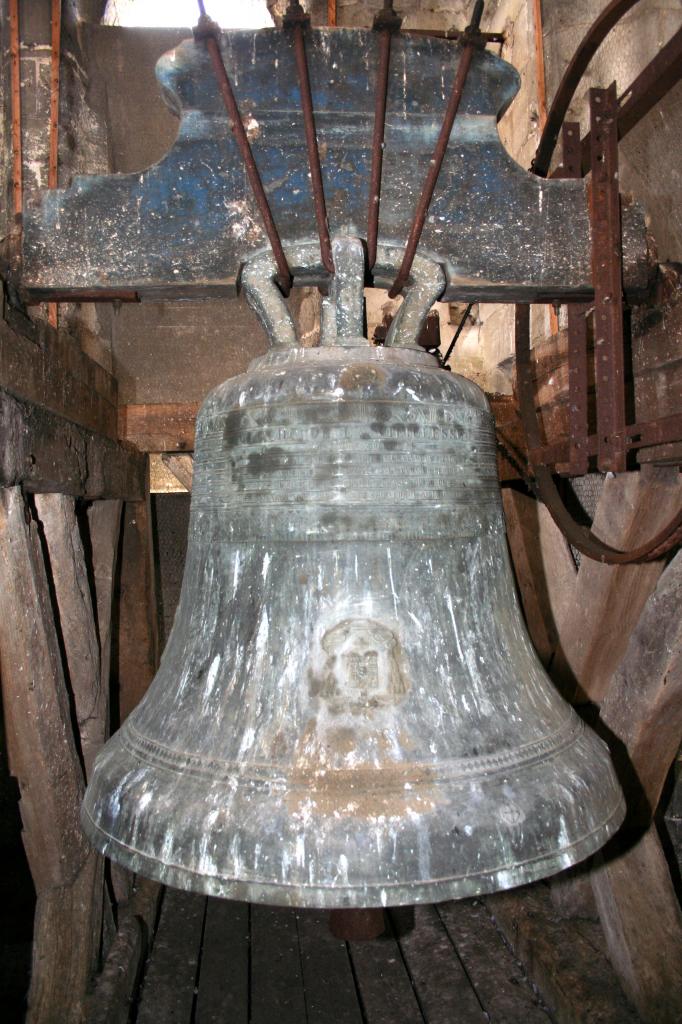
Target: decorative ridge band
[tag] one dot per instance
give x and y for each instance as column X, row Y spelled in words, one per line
column 151, row 752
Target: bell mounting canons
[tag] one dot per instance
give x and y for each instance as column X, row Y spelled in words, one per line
column 349, row 712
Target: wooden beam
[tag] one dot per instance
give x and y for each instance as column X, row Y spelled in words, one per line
column 182, row 468
column 137, row 649
column 512, row 448
column 43, row 755
column 69, row 574
column 158, row 428
column 44, row 452
column 44, row 759
column 104, row 525
column 114, row 990
column 642, row 709
column 50, row 369
column 642, row 923
column 544, row 568
column 563, row 958
column 607, row 600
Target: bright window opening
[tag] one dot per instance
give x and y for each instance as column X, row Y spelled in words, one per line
column 183, row 13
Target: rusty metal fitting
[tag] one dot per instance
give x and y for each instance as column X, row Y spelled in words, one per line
column 472, row 35
column 206, row 28
column 387, row 19
column 478, row 39
column 295, row 15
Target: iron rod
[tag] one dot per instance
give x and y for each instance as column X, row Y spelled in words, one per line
column 207, row 31
column 53, row 160
column 438, row 155
column 17, row 163
column 607, row 271
column 459, row 330
column 577, row 332
column 297, row 27
column 378, row 146
column 386, row 23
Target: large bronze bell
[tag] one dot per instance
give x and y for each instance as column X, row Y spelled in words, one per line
column 349, row 712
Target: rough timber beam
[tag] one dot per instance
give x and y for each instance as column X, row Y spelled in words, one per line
column 44, row 452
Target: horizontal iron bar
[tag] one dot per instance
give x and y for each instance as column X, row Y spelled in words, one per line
column 663, row 430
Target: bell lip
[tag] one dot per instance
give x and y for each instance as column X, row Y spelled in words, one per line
column 377, row 895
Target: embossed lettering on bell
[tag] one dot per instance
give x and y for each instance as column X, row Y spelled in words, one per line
column 349, row 711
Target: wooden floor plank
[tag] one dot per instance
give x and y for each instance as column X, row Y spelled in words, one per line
column 497, row 977
column 224, row 973
column 168, row 991
column 276, row 980
column 385, row 991
column 330, row 993
column 443, row 989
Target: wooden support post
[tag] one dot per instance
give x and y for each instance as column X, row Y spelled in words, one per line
column 138, row 628
column 44, row 759
column 182, row 468
column 76, row 619
column 642, row 923
column 104, row 522
column 544, row 568
column 110, row 1000
column 607, row 600
column 642, row 710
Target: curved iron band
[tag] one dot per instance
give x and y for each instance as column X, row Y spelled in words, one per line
column 579, row 536
column 210, row 33
column 596, row 34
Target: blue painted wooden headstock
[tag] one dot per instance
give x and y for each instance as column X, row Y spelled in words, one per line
column 186, row 225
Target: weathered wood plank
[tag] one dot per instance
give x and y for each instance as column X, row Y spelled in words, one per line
column 76, row 619
column 62, row 967
column 383, row 983
column 40, row 741
column 111, row 1001
column 643, row 706
column 607, row 600
column 182, row 468
column 45, row 452
column 330, row 993
column 104, row 524
column 52, row 371
column 512, row 447
column 498, row 979
column 116, row 986
column 158, row 428
column 137, row 648
column 168, row 989
column 544, row 568
column 443, row 989
column 574, row 977
column 224, row 979
column 642, row 924
column 43, row 758
column 276, row 978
